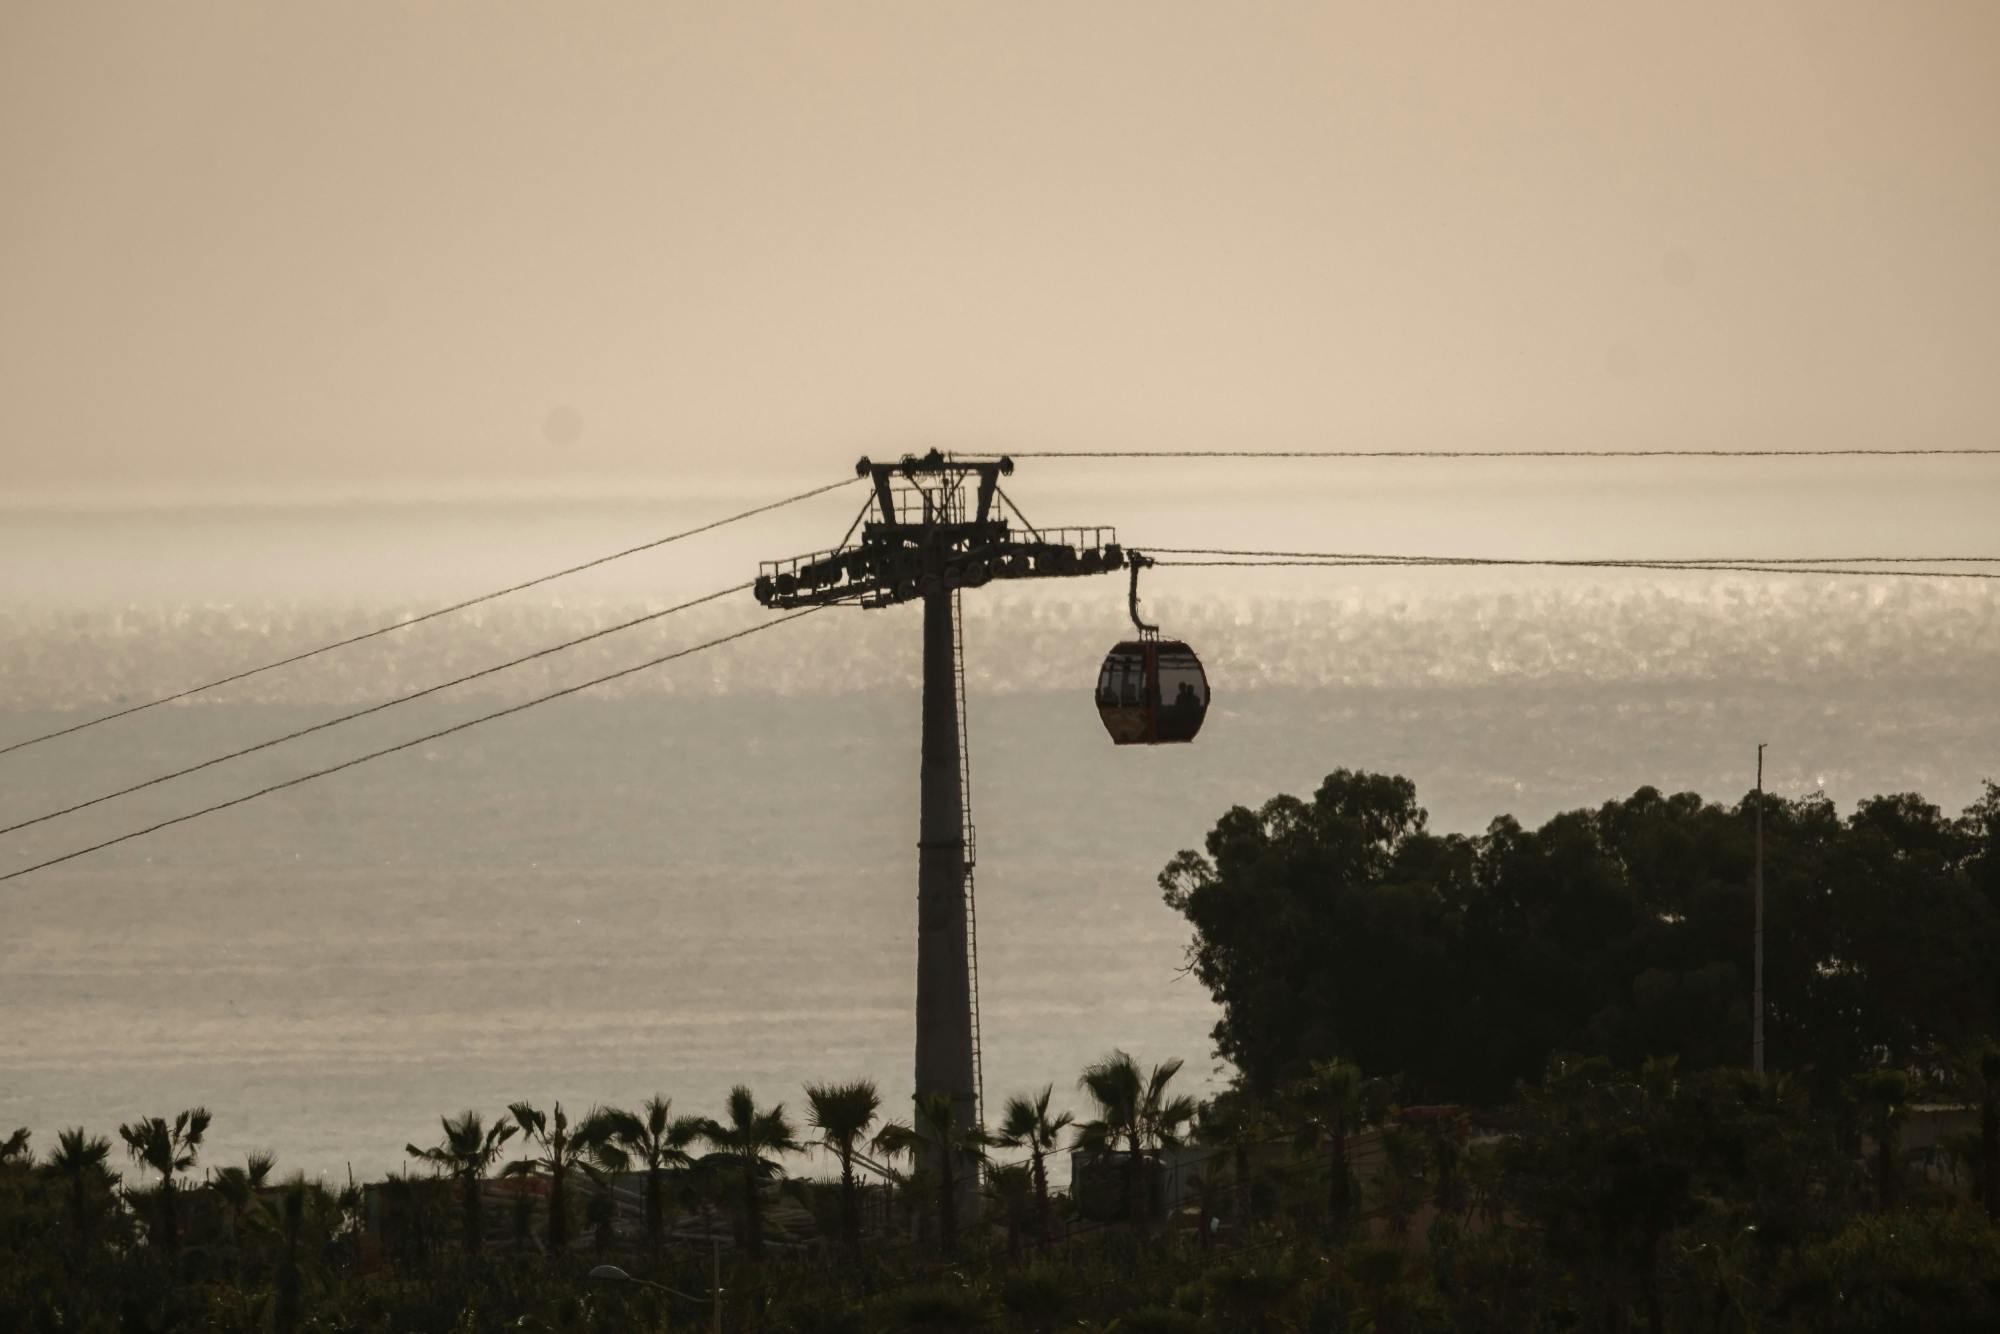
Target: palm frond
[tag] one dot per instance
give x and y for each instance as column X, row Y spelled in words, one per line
column 533, row 1124
column 742, row 1108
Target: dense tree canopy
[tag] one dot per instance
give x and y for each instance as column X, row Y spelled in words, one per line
column 1342, row 928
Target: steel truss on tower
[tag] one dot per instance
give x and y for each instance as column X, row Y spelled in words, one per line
column 934, row 524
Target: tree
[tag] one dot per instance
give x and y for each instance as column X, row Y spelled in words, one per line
column 1309, row 915
column 291, row 1275
column 893, row 1142
column 1010, row 1189
column 168, row 1149
column 561, row 1153
column 238, row 1188
column 409, row 1205
column 938, row 1127
column 1605, row 1170
column 1237, row 1120
column 742, row 1142
column 1884, row 1097
column 1134, row 1106
column 658, row 1141
column 1989, row 1131
column 1115, row 1086
column 1027, row 1124
column 842, row 1114
column 79, row 1164
column 1331, row 1108
column 466, row 1154
column 14, row 1151
column 1341, row 929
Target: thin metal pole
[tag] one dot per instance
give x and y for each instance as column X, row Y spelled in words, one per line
column 715, row 1286
column 1757, row 935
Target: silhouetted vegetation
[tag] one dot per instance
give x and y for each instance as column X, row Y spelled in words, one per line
column 1341, row 928
column 1485, row 1084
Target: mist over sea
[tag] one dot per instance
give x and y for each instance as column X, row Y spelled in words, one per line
column 706, row 875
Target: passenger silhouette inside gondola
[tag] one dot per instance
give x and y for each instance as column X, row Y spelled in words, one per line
column 1180, row 719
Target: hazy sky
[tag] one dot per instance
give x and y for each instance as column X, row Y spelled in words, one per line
column 408, row 250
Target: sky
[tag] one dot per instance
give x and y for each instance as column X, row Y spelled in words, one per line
column 328, row 252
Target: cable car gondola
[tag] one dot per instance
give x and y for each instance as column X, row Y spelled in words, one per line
column 1150, row 691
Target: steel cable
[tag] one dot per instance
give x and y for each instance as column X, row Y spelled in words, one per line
column 373, row 708
column 425, row 616
column 403, row 745
column 1498, row 453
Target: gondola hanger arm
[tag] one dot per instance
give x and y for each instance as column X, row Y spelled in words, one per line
column 1138, row 561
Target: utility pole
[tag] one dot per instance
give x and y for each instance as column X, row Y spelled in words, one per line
column 932, row 527
column 1757, row 936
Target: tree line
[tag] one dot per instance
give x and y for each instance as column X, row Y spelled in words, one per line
column 1342, row 927
column 1486, row 1083
column 88, row 1249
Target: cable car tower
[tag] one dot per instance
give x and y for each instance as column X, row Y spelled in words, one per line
column 934, row 527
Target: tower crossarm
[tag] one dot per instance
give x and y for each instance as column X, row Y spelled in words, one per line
column 934, row 526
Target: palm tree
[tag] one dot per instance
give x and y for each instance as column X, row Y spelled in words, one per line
column 290, row 1276
column 239, row 1187
column 1235, row 1121
column 1330, row 1100
column 1135, row 1107
column 1026, row 1124
column 659, row 1141
column 167, row 1149
column 79, row 1163
column 466, row 1154
column 743, row 1142
column 892, row 1141
column 1010, row 1187
column 842, row 1114
column 561, row 1152
column 937, row 1126
column 1116, row 1086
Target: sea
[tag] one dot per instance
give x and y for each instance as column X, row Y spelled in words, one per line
column 705, row 874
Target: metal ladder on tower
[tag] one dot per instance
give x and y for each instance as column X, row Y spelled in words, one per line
column 971, row 856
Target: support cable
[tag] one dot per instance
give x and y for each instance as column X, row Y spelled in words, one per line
column 1337, row 561
column 405, row 745
column 1374, row 556
column 1497, row 453
column 373, row 708
column 426, row 616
